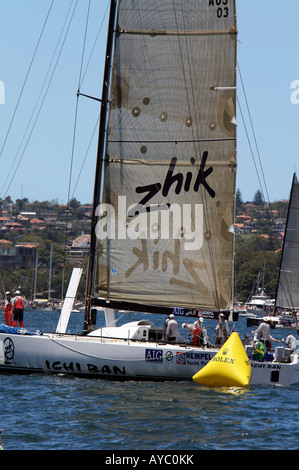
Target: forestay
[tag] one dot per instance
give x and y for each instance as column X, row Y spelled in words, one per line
column 171, row 154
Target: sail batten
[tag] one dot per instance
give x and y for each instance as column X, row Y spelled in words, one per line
column 177, row 33
column 164, row 227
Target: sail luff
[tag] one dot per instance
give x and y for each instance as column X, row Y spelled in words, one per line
column 98, row 186
column 283, row 245
column 171, row 154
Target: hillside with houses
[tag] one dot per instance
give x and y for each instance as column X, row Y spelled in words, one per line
column 39, row 237
column 40, row 243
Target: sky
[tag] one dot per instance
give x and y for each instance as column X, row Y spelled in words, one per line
column 38, row 86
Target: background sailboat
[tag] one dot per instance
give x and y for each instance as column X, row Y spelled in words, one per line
column 287, row 294
column 288, row 283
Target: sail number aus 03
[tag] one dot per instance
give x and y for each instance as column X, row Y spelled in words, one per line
column 222, row 10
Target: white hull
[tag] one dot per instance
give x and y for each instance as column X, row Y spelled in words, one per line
column 120, row 359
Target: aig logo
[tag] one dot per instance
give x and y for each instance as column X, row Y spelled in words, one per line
column 154, row 355
column 295, row 93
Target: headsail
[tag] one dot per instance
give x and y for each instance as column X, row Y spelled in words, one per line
column 164, row 232
column 288, row 282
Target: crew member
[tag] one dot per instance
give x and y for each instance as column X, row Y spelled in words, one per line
column 172, row 332
column 7, row 309
column 199, row 334
column 199, row 321
column 165, row 327
column 291, row 342
column 18, row 304
column 222, row 330
column 263, row 333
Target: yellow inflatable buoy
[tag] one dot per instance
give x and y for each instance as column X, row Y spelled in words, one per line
column 229, row 368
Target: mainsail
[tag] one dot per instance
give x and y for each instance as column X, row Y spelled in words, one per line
column 165, row 224
column 288, row 282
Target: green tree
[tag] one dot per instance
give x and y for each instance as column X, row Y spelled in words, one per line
column 251, row 255
column 239, row 202
column 258, row 198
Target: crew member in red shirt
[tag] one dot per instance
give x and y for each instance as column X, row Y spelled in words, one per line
column 18, row 303
column 7, row 310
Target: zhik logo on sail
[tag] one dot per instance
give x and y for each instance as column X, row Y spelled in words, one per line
column 165, row 221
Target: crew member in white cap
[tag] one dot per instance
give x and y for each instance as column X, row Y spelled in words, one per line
column 204, row 338
column 18, row 304
column 172, row 332
column 199, row 321
column 7, row 309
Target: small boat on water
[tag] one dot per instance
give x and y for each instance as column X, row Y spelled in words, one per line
column 259, row 304
column 162, row 237
column 274, row 321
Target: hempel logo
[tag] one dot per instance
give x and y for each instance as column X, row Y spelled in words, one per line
column 2, row 92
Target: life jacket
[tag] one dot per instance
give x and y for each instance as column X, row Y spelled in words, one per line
column 18, row 303
column 196, row 335
column 7, row 307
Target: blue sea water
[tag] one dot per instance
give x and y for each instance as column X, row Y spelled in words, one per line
column 43, row 412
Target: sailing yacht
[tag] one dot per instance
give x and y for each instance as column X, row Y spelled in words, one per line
column 285, row 306
column 162, row 239
column 287, row 295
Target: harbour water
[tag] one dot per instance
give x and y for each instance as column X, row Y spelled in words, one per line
column 43, row 412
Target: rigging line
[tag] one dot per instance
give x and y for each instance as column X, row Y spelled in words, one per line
column 42, row 103
column 84, row 44
column 74, row 131
column 95, row 42
column 85, row 157
column 250, row 146
column 253, row 132
column 27, row 75
column 251, row 123
column 77, row 103
column 39, row 96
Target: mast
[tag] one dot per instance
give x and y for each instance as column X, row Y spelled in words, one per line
column 100, row 160
column 50, row 272
column 35, row 275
